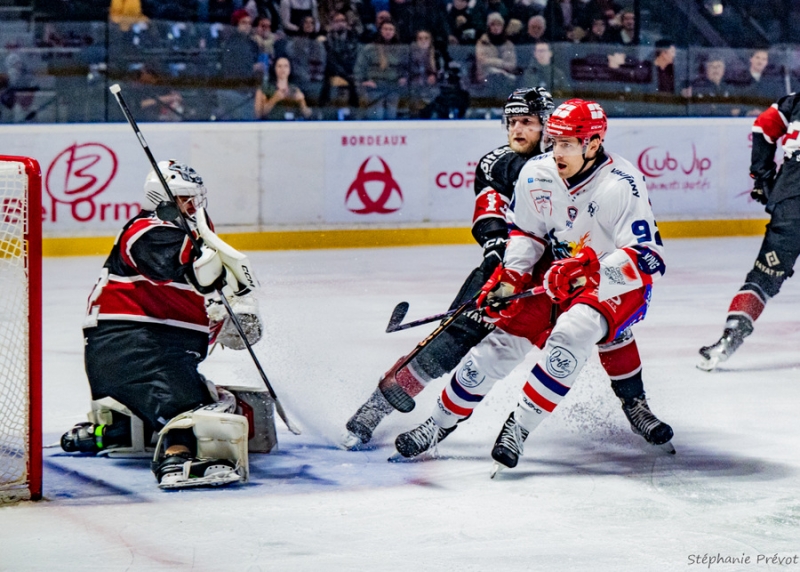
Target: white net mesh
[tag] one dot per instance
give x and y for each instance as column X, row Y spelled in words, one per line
column 14, row 335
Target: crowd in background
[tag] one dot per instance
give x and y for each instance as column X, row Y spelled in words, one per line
column 376, row 59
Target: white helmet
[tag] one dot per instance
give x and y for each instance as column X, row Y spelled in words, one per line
column 183, row 181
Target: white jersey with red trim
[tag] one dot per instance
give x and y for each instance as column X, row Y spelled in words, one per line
column 608, row 209
column 144, row 278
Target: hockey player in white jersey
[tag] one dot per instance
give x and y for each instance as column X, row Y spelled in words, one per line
column 590, row 210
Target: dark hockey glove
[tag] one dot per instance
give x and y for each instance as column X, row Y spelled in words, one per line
column 495, row 248
column 569, row 277
column 762, row 187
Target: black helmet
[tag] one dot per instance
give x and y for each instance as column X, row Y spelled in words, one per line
column 529, row 101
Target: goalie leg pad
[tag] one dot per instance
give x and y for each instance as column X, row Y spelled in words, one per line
column 221, row 450
column 110, row 412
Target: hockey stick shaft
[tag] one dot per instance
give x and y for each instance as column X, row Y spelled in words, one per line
column 526, row 294
column 184, row 224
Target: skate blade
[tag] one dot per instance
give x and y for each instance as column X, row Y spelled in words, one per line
column 350, row 441
column 496, row 469
column 424, row 456
column 708, row 364
column 667, row 448
column 215, row 480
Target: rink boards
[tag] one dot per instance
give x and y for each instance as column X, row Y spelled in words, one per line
column 344, row 184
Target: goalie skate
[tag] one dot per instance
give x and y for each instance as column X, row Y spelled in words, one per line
column 732, row 338
column 182, row 473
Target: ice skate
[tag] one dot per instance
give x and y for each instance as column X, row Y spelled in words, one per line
column 417, row 441
column 644, row 423
column 508, row 446
column 361, row 425
column 180, row 472
column 735, row 332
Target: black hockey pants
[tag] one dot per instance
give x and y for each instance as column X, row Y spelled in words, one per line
column 151, row 369
column 780, row 248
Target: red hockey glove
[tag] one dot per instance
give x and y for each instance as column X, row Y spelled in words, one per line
column 567, row 278
column 503, row 283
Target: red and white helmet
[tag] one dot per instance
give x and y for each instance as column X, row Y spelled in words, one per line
column 578, row 118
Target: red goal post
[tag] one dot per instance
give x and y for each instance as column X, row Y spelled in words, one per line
column 20, row 329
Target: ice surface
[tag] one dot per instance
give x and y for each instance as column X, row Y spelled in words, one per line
column 587, row 495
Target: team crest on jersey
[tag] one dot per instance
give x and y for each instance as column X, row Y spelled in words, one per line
column 572, row 212
column 542, row 201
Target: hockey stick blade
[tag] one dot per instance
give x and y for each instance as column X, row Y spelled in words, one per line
column 397, row 316
column 525, row 294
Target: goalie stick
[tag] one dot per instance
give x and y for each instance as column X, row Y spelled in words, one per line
column 391, row 390
column 401, row 310
column 181, row 218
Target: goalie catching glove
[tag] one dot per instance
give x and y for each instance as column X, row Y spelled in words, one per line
column 222, row 328
column 567, row 278
column 504, row 282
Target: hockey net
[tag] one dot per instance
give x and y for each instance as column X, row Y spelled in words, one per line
column 20, row 329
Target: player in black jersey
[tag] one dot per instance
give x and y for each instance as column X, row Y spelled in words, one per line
column 779, row 190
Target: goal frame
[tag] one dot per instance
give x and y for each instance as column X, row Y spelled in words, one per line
column 33, row 263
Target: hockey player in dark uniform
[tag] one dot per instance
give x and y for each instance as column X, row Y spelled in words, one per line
column 779, row 190
column 148, row 328
column 525, row 115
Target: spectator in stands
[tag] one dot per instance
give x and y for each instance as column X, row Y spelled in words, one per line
column 381, row 71
column 278, row 98
column 239, row 60
column 294, row 11
column 514, row 30
column 495, row 58
column 153, row 101
column 761, row 85
column 462, row 23
column 370, row 34
column 240, row 69
column 664, row 64
column 329, row 8
column 542, row 73
column 452, row 101
column 341, row 50
column 307, row 55
column 626, row 33
column 423, row 71
column 265, row 39
column 712, row 90
column 598, row 32
column 535, row 32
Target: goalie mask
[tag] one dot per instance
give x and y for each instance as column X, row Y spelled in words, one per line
column 184, row 183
